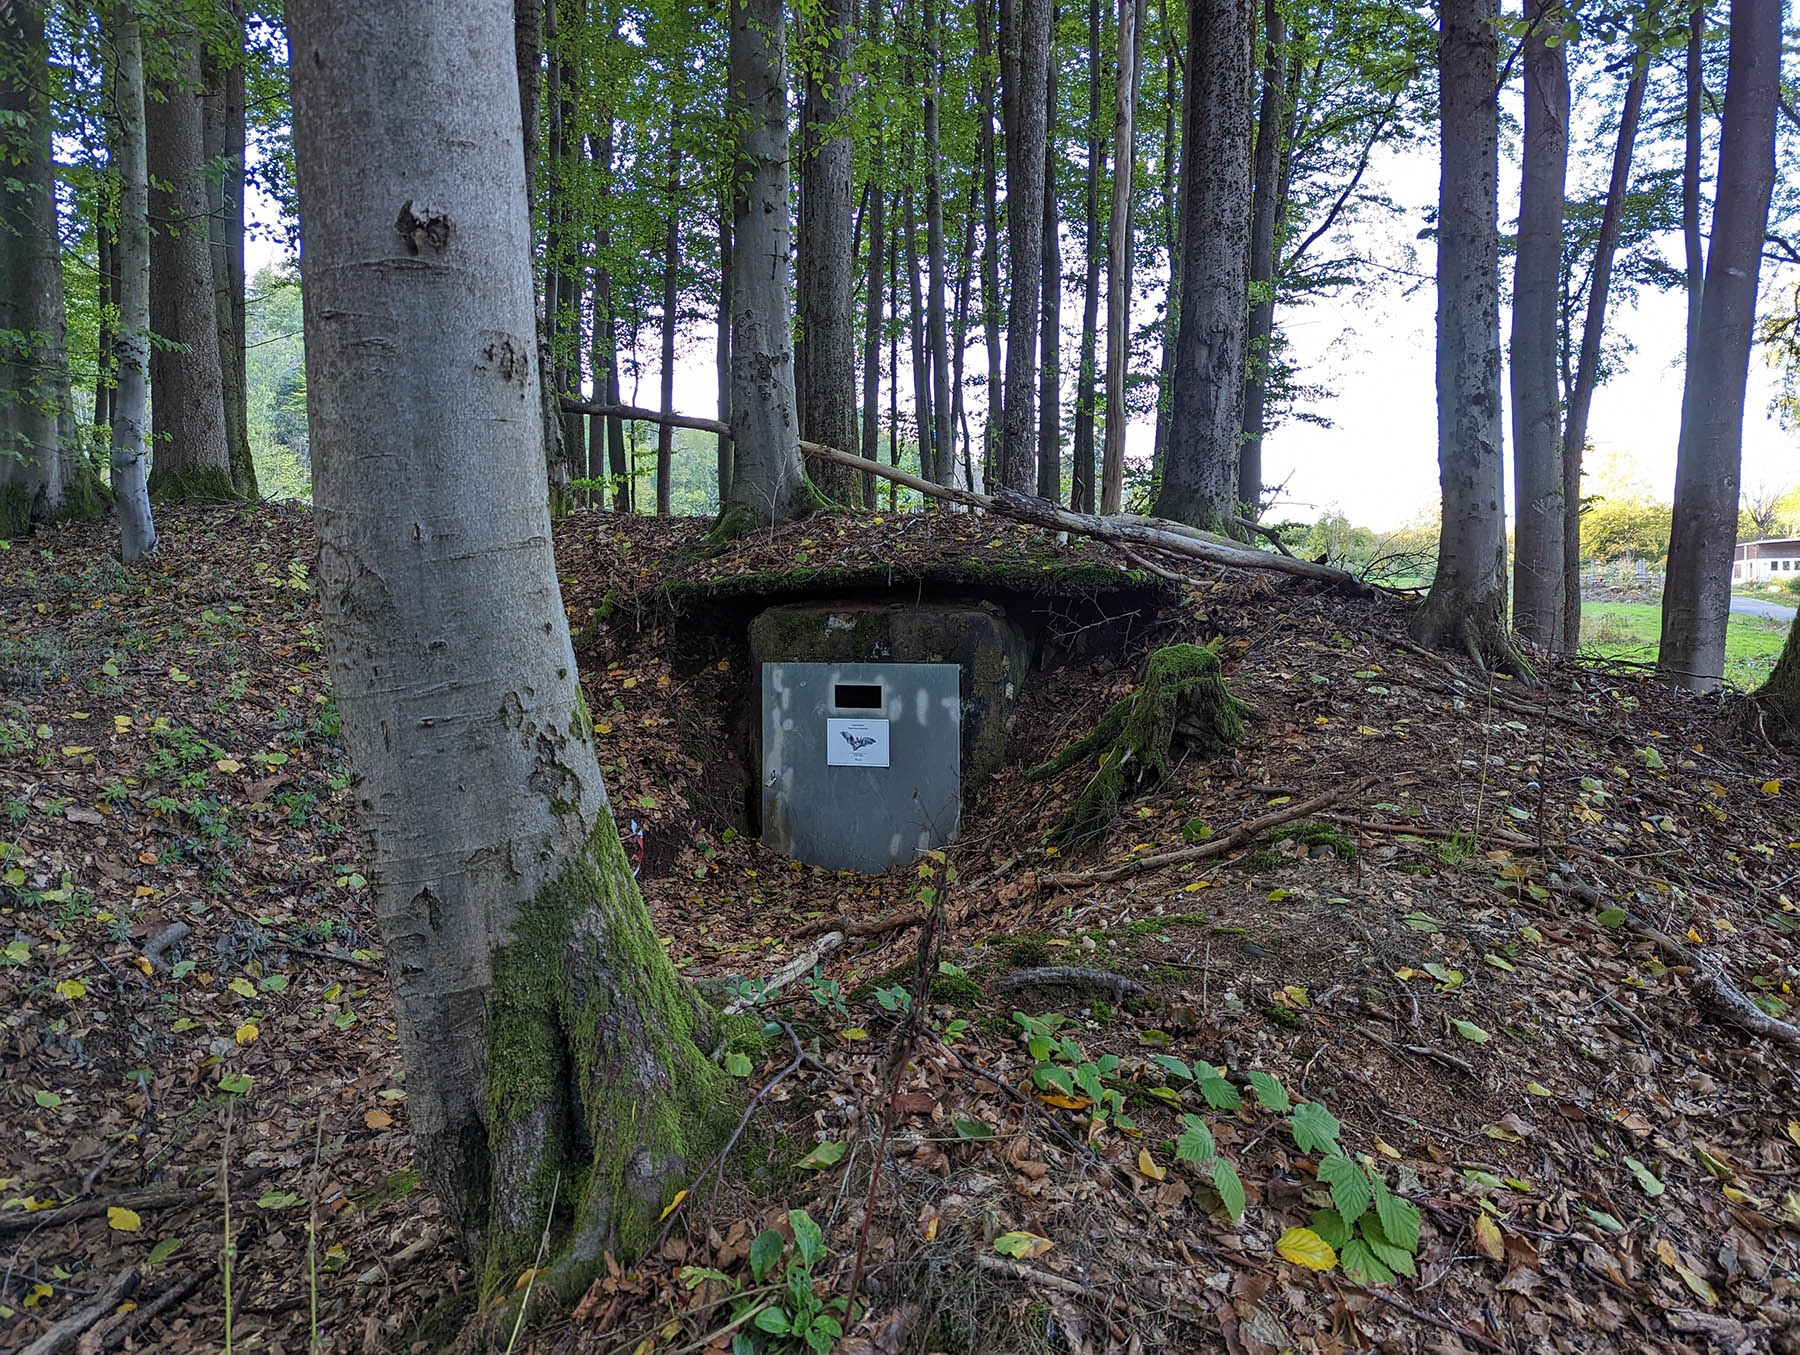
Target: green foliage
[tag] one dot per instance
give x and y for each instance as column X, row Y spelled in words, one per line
column 1060, row 1066
column 780, row 1312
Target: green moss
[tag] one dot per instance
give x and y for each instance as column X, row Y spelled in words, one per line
column 599, row 1087
column 1183, row 692
column 1027, row 950
column 955, row 990
column 192, row 484
column 1283, row 1017
column 1259, row 862
column 1150, row 926
column 15, row 508
column 84, row 498
column 1317, row 835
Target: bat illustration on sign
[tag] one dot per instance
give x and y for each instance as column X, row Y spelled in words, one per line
column 856, row 744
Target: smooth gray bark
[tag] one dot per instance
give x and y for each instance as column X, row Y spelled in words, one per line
column 222, row 113
column 545, row 1036
column 1173, row 217
column 1466, row 607
column 921, row 349
column 1049, row 437
column 1692, row 117
column 943, row 445
column 1119, row 250
column 1024, row 76
column 191, row 457
column 36, row 413
column 992, row 306
column 825, row 354
column 722, row 347
column 671, row 302
column 1199, row 473
column 872, row 314
column 1697, row 594
column 1265, row 212
column 768, row 481
column 1081, row 471
column 1537, row 279
column 131, row 340
column 1593, row 326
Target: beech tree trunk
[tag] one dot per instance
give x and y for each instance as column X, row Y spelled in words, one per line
column 1466, row 607
column 222, row 113
column 1779, row 697
column 671, row 300
column 40, row 452
column 768, row 483
column 192, row 459
column 1593, row 326
column 943, row 446
column 1119, row 251
column 1172, row 232
column 1049, row 438
column 826, row 351
column 722, row 347
column 131, row 340
column 1693, row 114
column 1081, row 473
column 1265, row 212
column 1199, row 476
column 1537, row 273
column 606, row 436
column 870, row 443
column 991, row 305
column 921, row 355
column 528, row 56
column 549, row 1047
column 1024, row 77
column 1697, row 593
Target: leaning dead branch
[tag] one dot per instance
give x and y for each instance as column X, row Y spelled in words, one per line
column 67, row 1332
column 1174, row 539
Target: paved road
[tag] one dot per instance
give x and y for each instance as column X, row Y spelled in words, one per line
column 1775, row 611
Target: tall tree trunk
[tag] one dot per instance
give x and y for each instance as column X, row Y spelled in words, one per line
column 1693, row 115
column 921, row 356
column 943, row 434
column 34, row 356
column 222, row 115
column 1265, row 209
column 871, row 358
column 722, row 346
column 1778, row 699
column 768, row 482
column 959, row 337
column 1049, row 458
column 1024, row 74
column 1593, row 326
column 1697, row 594
column 192, row 459
column 549, row 1047
column 131, row 340
column 1199, row 479
column 1173, row 227
column 106, row 297
column 671, row 301
column 570, row 265
column 826, row 352
column 1466, row 608
column 528, row 57
column 1119, row 250
column 606, row 437
column 1081, row 474
column 991, row 305
column 1538, row 505
column 894, row 362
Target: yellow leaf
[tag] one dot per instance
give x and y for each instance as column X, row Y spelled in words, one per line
column 143, row 964
column 1066, row 1102
column 528, row 1275
column 1665, row 1252
column 377, row 1119
column 1538, row 1089
column 123, row 1220
column 1149, row 1167
column 121, row 723
column 673, row 1204
column 1487, row 1238
column 1695, row 937
column 228, row 765
column 71, row 989
column 1794, row 1130
column 1306, row 1248
column 1771, row 788
column 1707, row 1294
column 247, row 1033
column 1387, row 1149
column 1367, row 730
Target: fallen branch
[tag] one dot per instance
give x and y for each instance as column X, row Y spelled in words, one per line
column 1716, row 990
column 870, row 926
column 137, row 1200
column 156, row 945
column 1018, row 1270
column 1170, row 538
column 1242, row 835
column 1070, row 976
column 65, row 1333
column 802, row 964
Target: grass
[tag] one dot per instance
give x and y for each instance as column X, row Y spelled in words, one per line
column 1630, row 630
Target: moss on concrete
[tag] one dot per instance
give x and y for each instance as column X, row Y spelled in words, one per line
column 1183, row 694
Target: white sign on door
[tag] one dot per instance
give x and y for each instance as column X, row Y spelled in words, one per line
column 856, row 743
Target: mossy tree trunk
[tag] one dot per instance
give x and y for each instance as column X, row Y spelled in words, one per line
column 550, row 1049
column 1779, row 697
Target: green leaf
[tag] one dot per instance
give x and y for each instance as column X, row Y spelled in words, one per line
column 278, row 1199
column 972, row 1129
column 1219, row 1093
column 738, row 1065
column 1362, row 1265
column 1421, row 921
column 1399, row 1217
column 1327, row 1224
column 1645, row 1177
column 1230, row 1187
column 48, row 1100
column 1611, row 917
column 1470, row 1031
column 773, row 1320
column 235, row 1083
column 1016, row 1244
column 825, row 1155
column 1170, row 1064
column 1349, row 1186
column 1270, row 1094
column 1605, row 1220
column 272, row 983
column 765, row 1252
column 1314, row 1128
column 163, row 1250
column 809, row 1238
column 1196, row 1142
column 1396, row 1258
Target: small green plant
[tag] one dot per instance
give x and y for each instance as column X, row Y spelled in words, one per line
column 827, row 993
column 1060, row 1065
column 784, row 1315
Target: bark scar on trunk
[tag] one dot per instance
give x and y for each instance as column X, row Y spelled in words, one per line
column 421, row 229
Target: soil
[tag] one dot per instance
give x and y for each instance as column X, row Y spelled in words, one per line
column 1599, row 1160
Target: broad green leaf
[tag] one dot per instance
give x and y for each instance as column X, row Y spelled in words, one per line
column 972, row 1129
column 163, row 1250
column 1314, row 1128
column 1219, row 1093
column 1328, row 1225
column 1362, row 1265
column 1022, row 1244
column 825, row 1155
column 1645, row 1177
column 1170, row 1064
column 1270, row 1094
column 1196, row 1142
column 738, row 1065
column 1396, row 1258
column 809, row 1238
column 1349, row 1186
column 1399, row 1216
column 765, row 1252
column 1611, row 917
column 1230, row 1187
column 1470, row 1031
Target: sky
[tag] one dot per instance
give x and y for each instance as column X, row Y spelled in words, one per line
column 1377, row 461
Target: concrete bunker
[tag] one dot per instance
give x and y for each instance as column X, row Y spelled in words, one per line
column 872, row 715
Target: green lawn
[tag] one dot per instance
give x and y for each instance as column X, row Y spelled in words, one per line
column 1629, row 630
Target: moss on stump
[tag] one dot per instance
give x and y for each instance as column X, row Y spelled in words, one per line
column 1778, row 699
column 193, row 484
column 1183, row 696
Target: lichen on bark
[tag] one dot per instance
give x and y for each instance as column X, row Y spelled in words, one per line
column 1183, row 696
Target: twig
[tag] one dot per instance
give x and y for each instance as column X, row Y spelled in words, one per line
column 117, row 1332
column 1018, row 1270
column 1717, row 990
column 368, row 966
column 65, row 1333
column 1070, row 976
column 1441, row 1323
column 138, row 1200
column 873, row 926
column 803, row 963
column 1238, row 837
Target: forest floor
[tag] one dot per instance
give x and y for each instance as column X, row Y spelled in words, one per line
column 1468, row 1001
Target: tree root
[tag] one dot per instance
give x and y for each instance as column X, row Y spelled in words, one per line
column 1716, row 991
column 67, row 1332
column 1069, row 976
